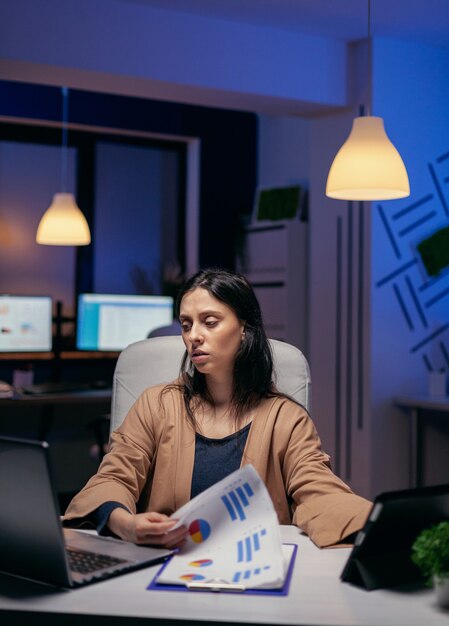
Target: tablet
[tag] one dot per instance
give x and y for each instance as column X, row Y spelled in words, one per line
column 381, row 556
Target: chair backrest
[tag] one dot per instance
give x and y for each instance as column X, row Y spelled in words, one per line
column 157, row 360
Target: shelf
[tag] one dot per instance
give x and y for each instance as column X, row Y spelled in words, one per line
column 64, row 356
column 27, row 356
column 79, row 356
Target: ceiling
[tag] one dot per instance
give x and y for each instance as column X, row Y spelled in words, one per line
column 425, row 21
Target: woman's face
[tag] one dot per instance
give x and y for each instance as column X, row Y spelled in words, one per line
column 211, row 331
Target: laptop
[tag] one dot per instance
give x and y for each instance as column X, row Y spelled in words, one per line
column 381, row 556
column 33, row 543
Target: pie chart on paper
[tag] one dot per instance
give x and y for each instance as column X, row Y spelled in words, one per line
column 201, row 563
column 191, row 577
column 199, row 530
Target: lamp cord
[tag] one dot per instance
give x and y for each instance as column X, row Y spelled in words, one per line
column 368, row 104
column 65, row 117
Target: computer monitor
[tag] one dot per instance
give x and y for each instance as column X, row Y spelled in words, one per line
column 111, row 322
column 25, row 323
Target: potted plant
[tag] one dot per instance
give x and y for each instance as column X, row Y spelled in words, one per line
column 430, row 552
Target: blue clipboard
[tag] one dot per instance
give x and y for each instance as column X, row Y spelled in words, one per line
column 222, row 586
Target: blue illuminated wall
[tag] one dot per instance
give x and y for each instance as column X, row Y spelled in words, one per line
column 377, row 323
column 409, row 308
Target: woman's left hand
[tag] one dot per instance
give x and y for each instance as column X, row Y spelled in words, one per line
column 147, row 528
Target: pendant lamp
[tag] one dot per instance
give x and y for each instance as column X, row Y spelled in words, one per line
column 63, row 223
column 368, row 166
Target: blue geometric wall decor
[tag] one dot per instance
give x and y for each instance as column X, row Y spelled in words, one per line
column 434, row 251
column 420, row 286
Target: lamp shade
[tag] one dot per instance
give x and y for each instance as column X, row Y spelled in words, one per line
column 367, row 166
column 63, row 224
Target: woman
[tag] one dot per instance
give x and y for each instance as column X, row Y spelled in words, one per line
column 222, row 412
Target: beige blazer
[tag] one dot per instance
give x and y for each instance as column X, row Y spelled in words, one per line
column 149, row 467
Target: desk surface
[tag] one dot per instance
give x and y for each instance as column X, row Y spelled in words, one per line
column 423, row 402
column 317, row 597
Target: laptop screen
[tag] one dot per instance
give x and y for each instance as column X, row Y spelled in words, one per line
column 33, row 543
column 112, row 322
column 25, row 323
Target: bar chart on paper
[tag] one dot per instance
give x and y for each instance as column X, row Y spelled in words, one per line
column 245, row 575
column 237, row 500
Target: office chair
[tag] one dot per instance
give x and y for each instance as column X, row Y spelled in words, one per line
column 157, row 360
column 166, row 331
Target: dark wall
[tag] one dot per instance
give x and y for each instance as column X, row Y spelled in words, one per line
column 228, row 151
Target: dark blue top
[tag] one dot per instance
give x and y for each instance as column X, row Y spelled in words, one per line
column 214, row 460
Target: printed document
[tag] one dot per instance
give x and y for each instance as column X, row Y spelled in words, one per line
column 233, row 538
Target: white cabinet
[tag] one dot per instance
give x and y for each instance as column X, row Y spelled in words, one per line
column 275, row 262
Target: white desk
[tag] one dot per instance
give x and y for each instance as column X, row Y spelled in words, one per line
column 317, row 597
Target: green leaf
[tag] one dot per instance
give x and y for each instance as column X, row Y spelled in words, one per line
column 430, row 551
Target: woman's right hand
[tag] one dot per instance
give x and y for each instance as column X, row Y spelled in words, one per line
column 154, row 529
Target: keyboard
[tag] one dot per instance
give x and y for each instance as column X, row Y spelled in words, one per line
column 83, row 562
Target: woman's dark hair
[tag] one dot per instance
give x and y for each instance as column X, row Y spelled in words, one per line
column 253, row 367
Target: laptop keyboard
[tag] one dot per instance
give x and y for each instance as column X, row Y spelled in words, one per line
column 85, row 562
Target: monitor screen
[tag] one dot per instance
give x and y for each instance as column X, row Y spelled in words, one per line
column 25, row 323
column 112, row 322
